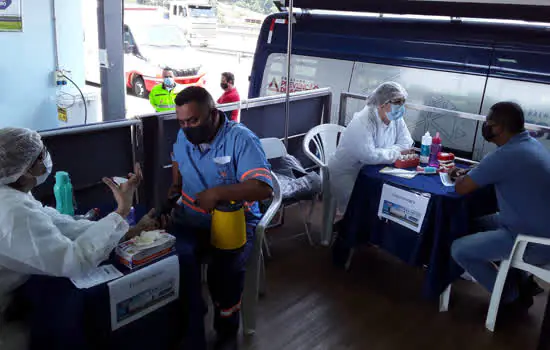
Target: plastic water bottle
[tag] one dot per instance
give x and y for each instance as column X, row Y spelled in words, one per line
column 425, row 148
column 435, row 148
column 63, row 192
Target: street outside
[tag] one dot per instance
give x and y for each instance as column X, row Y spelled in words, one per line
column 225, row 54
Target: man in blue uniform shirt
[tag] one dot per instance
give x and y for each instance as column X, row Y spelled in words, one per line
column 520, row 171
column 216, row 160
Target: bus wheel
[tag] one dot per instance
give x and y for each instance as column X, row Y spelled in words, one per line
column 138, row 87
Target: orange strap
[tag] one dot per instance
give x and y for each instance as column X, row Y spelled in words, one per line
column 189, row 202
column 255, row 173
column 230, row 311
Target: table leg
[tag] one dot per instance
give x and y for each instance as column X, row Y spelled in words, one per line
column 326, row 231
column 350, row 257
column 544, row 337
column 444, row 299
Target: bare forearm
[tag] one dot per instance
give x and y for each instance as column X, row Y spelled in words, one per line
column 175, row 189
column 132, row 232
column 465, row 185
column 176, row 181
column 250, row 190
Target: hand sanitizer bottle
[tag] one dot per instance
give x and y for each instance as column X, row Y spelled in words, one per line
column 425, row 148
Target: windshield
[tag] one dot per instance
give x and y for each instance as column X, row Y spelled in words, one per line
column 158, row 35
column 201, row 11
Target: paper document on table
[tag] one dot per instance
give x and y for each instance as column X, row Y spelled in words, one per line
column 403, row 207
column 141, row 292
column 97, row 276
column 407, row 174
column 446, row 179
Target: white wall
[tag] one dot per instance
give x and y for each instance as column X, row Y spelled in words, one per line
column 27, row 90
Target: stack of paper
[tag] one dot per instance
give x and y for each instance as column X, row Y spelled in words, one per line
column 407, row 174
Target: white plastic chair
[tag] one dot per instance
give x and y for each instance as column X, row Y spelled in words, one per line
column 275, row 148
column 515, row 261
column 325, row 138
column 254, row 282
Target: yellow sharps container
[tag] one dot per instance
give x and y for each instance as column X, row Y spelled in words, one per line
column 228, row 231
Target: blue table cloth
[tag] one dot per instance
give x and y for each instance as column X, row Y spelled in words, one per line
column 448, row 217
column 64, row 317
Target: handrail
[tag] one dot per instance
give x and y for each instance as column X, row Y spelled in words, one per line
column 258, row 102
column 89, row 128
column 470, row 116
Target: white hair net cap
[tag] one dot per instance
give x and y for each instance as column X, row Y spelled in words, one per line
column 19, row 149
column 386, row 92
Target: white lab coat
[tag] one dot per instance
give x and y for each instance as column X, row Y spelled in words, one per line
column 366, row 141
column 38, row 240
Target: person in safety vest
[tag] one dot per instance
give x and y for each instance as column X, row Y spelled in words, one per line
column 162, row 96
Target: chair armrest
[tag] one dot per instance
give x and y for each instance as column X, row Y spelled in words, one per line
column 533, row 239
column 273, row 207
column 518, row 251
column 309, row 154
column 313, row 157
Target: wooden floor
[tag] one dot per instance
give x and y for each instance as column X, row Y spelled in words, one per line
column 376, row 306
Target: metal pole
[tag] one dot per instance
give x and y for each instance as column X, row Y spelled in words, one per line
column 288, row 58
column 113, row 87
column 55, row 41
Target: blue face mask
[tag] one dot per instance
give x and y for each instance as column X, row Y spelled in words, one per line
column 397, row 112
column 169, row 82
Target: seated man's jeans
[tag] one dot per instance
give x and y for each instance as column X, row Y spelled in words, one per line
column 477, row 254
column 226, row 270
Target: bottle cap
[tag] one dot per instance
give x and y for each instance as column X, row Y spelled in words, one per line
column 62, row 177
column 437, row 138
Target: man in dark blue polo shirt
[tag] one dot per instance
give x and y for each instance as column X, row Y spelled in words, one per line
column 216, row 160
column 520, row 171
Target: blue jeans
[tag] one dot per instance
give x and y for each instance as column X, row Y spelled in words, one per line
column 477, row 254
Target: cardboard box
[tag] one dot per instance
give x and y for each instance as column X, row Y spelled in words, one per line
column 133, row 255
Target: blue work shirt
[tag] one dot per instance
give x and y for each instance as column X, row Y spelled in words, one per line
column 520, row 171
column 235, row 155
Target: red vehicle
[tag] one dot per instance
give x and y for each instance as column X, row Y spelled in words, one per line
column 150, row 46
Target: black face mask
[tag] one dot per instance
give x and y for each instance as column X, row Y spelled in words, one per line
column 224, row 85
column 487, row 132
column 199, row 134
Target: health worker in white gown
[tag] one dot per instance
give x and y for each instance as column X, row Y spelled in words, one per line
column 376, row 135
column 38, row 240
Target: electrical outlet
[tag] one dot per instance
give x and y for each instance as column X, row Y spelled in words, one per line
column 60, row 77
